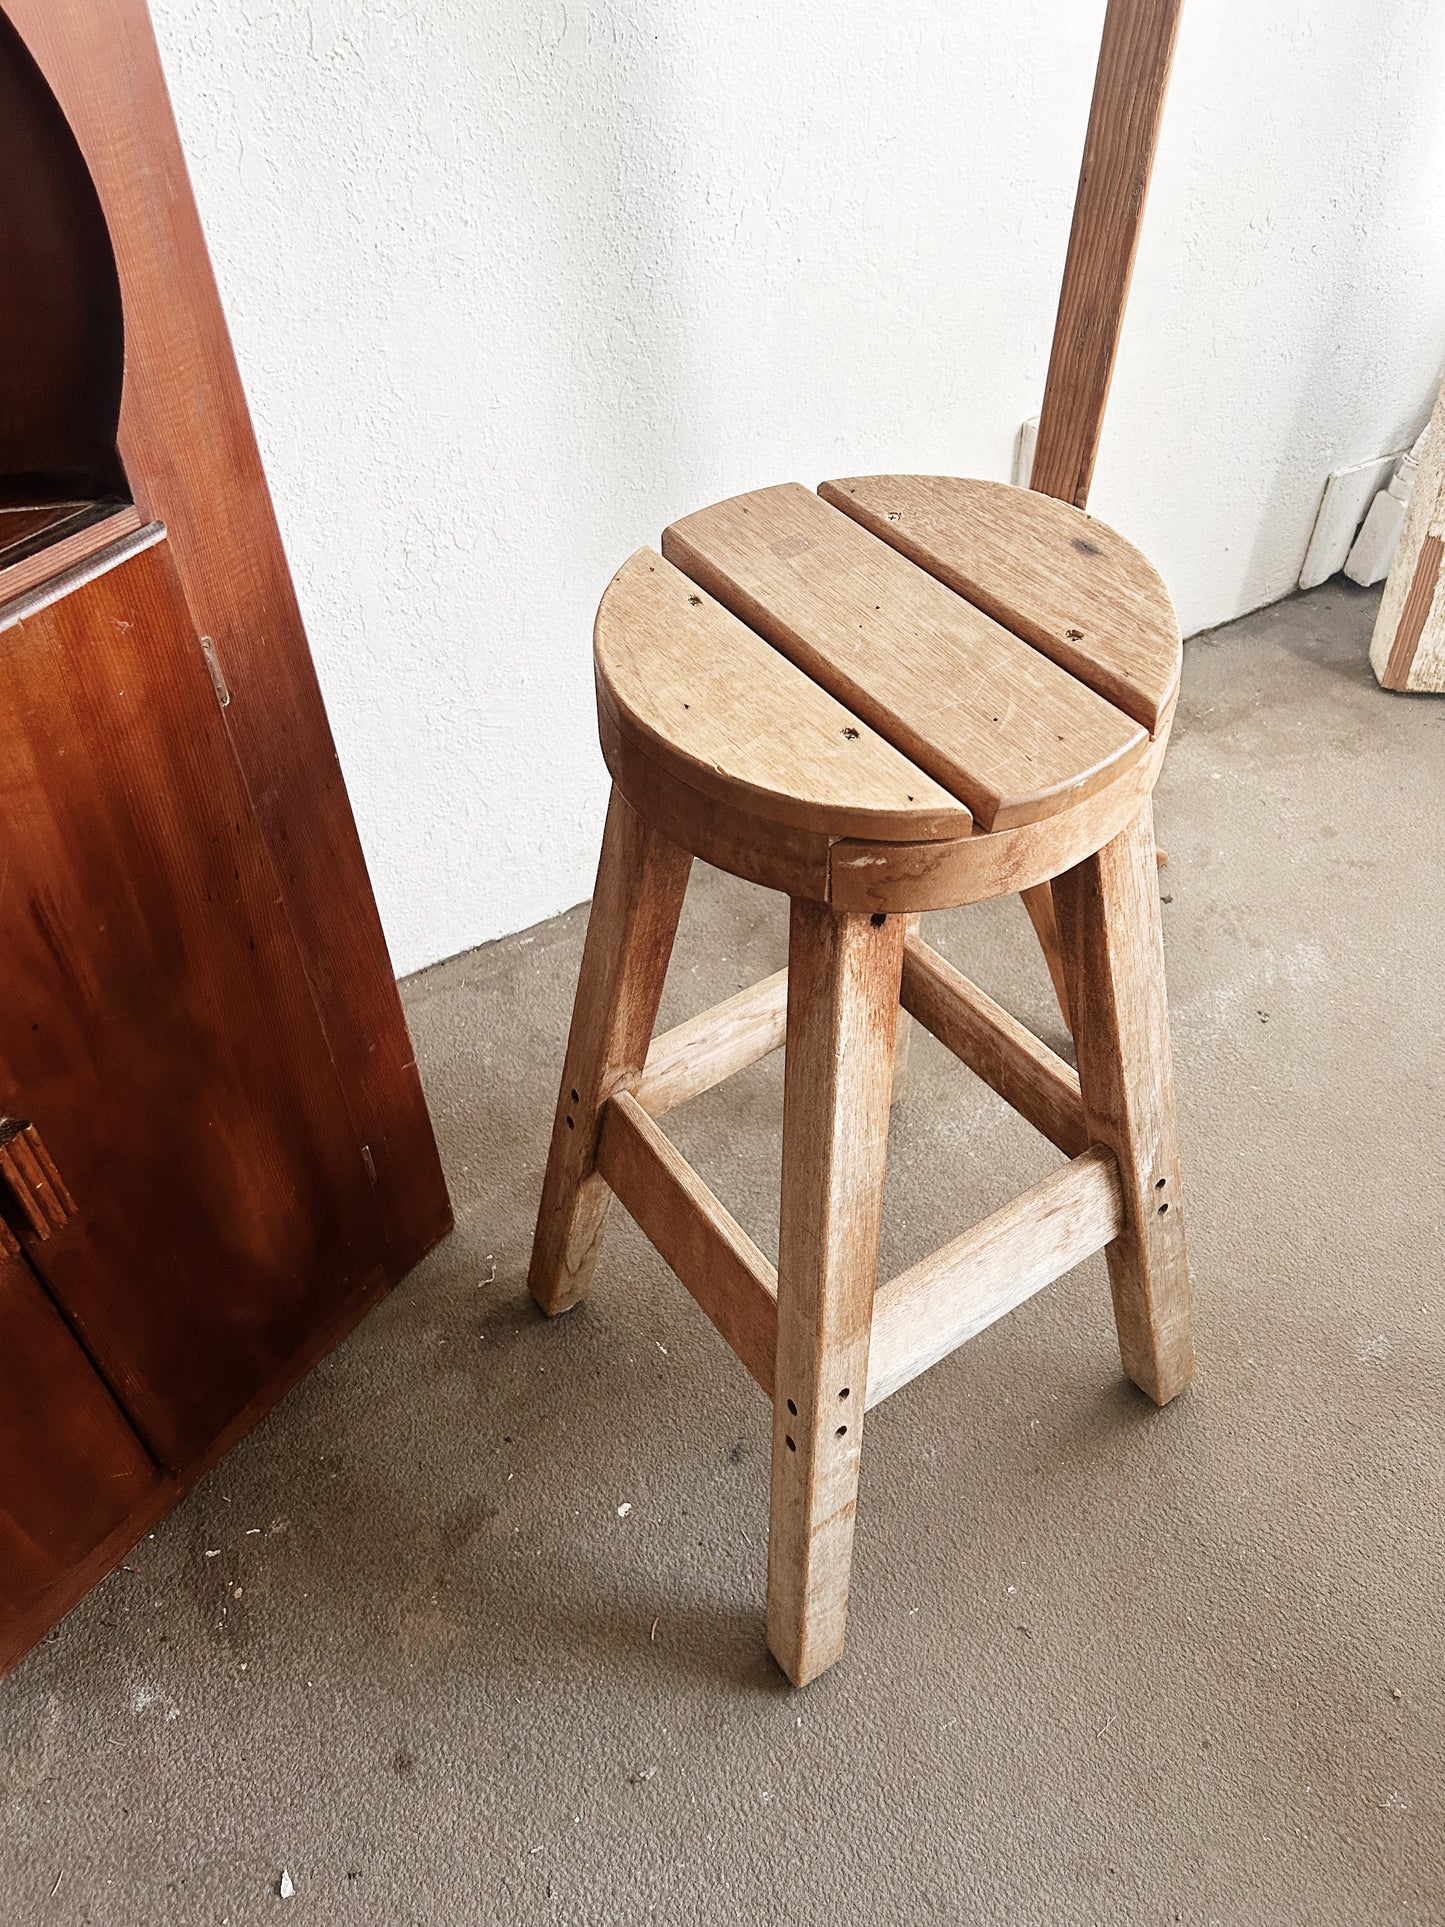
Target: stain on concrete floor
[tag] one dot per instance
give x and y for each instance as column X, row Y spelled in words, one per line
column 1106, row 1665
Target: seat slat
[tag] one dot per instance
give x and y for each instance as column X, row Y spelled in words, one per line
column 997, row 723
column 1069, row 585
column 713, row 704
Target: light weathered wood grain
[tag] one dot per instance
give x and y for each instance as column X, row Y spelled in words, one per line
column 938, row 876
column 940, row 1303
column 780, row 856
column 842, row 1006
column 903, row 1037
column 1407, row 649
column 1135, row 56
column 1001, row 727
column 723, row 711
column 995, row 1046
column 1415, row 614
column 192, row 463
column 641, row 880
column 244, row 1125
column 1113, row 947
column 1069, row 585
column 693, row 1232
column 690, row 1059
column 88, row 1471
column 1039, row 902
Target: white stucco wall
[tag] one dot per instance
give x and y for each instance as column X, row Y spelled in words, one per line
column 513, row 286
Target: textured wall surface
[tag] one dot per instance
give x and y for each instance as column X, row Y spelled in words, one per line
column 512, row 287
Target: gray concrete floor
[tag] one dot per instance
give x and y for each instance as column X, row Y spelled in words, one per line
column 1106, row 1665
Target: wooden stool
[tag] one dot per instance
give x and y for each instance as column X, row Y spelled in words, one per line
column 899, row 694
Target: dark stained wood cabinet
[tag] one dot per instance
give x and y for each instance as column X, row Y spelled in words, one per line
column 159, row 1030
column 214, row 1151
column 74, row 1470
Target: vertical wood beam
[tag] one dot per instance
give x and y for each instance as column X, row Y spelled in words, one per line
column 1130, row 83
column 903, row 1037
column 1419, row 601
column 1039, row 902
column 1135, row 56
column 1113, row 951
column 641, row 881
column 843, row 981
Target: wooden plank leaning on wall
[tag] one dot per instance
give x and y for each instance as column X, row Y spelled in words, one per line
column 1407, row 651
column 1132, row 80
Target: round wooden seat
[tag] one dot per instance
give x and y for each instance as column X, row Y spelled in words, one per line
column 899, row 693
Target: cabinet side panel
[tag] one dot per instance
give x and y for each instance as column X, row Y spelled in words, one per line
column 71, row 1469
column 191, row 457
column 157, row 1026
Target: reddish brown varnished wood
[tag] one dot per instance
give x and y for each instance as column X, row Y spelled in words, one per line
column 18, row 1634
column 74, row 1470
column 191, row 459
column 1113, row 948
column 843, row 981
column 157, row 1028
column 242, row 1127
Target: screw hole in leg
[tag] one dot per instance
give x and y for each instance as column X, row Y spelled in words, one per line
column 1162, row 1209
column 844, row 1392
column 570, row 1125
column 842, row 1432
column 1159, row 1183
column 575, row 1098
column 791, row 1446
column 792, row 1408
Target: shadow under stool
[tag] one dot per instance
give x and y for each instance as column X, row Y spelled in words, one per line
column 900, row 694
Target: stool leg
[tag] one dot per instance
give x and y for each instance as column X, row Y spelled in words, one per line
column 1109, row 923
column 843, row 979
column 1039, row 902
column 641, row 880
column 903, row 1040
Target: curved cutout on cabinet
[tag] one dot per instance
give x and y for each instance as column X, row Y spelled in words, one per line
column 62, row 333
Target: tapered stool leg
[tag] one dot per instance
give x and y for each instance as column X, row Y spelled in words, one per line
column 903, row 1037
column 641, row 880
column 1113, row 949
column 843, row 983
column 1039, row 902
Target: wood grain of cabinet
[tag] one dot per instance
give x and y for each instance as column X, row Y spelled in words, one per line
column 201, row 1040
column 158, row 1026
column 59, row 1422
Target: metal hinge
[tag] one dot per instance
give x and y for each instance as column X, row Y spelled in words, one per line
column 213, row 663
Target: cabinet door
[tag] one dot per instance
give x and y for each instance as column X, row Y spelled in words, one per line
column 156, row 1025
column 71, row 1470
